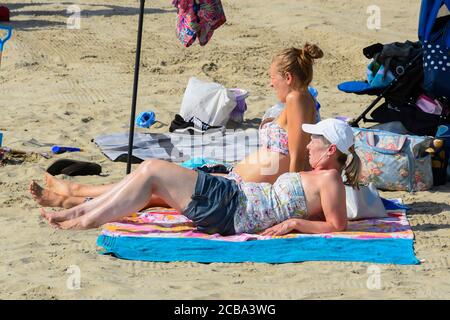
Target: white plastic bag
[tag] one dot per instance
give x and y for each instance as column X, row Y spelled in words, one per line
column 210, row 102
column 364, row 203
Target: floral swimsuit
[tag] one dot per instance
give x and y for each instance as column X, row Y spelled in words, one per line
column 262, row 205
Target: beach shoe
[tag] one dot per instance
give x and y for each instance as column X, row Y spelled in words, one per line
column 179, row 123
column 195, row 125
column 74, row 168
column 203, row 127
column 195, row 130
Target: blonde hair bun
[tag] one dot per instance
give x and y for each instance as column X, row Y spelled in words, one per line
column 312, row 50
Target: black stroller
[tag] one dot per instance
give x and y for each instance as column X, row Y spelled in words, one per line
column 399, row 74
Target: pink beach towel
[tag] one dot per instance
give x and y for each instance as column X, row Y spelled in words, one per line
column 168, row 223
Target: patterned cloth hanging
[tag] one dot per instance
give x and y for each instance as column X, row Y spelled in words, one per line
column 197, row 19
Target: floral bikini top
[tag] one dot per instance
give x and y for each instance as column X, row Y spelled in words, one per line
column 275, row 138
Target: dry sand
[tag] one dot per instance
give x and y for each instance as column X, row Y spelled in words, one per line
column 62, row 86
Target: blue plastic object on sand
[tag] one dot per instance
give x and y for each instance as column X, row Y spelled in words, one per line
column 3, row 40
column 1, row 139
column 146, row 119
column 58, row 149
column 8, row 36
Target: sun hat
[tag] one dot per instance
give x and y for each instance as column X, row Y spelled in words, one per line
column 336, row 131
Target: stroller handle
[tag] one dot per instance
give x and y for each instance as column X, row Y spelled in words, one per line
column 8, row 36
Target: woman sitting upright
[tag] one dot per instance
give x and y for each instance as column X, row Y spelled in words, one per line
column 283, row 141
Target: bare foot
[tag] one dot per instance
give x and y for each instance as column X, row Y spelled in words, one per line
column 44, row 197
column 80, row 223
column 46, row 216
column 60, row 216
column 59, row 186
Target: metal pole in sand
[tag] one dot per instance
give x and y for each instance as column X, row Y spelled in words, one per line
column 135, row 85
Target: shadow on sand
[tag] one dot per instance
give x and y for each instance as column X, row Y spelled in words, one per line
column 106, row 10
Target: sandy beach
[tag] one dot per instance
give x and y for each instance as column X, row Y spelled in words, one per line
column 61, row 86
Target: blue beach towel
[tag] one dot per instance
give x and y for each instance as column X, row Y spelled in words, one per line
column 164, row 235
column 388, row 251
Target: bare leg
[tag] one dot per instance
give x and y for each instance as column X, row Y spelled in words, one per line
column 68, row 188
column 72, row 189
column 131, row 195
column 47, row 198
column 81, row 209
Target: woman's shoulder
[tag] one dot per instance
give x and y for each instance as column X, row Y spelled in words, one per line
column 322, row 181
column 324, row 176
column 294, row 97
column 299, row 102
column 299, row 96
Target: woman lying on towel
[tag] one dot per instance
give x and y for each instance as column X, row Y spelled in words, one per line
column 306, row 202
column 283, row 142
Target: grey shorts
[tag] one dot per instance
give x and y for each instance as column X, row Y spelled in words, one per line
column 213, row 204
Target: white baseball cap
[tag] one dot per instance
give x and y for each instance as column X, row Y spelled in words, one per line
column 336, row 131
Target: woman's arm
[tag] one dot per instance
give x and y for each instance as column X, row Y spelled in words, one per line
column 306, row 226
column 302, row 226
column 333, row 200
column 297, row 114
